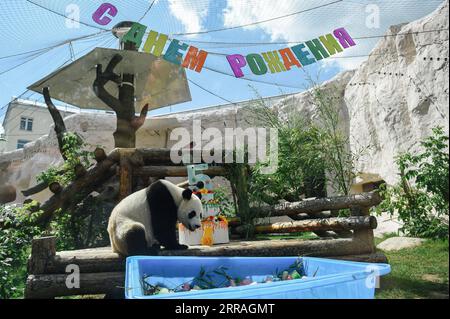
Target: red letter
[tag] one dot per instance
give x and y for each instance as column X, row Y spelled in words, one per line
column 289, row 59
column 194, row 59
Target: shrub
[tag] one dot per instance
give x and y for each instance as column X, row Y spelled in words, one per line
column 15, row 240
column 421, row 198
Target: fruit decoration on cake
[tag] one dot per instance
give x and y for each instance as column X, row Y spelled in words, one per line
column 214, row 228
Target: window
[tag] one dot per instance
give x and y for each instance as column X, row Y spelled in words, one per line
column 26, row 124
column 21, row 144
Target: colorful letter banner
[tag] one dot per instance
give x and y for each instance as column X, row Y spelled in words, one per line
column 277, row 61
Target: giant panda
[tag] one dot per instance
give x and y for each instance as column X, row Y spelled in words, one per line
column 143, row 221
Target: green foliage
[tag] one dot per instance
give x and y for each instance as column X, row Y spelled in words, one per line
column 83, row 227
column 421, row 198
column 301, row 169
column 86, row 227
column 75, row 153
column 15, row 239
column 339, row 160
column 227, row 207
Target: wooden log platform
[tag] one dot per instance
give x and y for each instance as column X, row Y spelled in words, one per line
column 102, row 271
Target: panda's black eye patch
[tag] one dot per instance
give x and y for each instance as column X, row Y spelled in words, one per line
column 192, row 214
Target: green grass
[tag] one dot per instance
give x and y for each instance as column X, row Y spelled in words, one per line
column 420, row 272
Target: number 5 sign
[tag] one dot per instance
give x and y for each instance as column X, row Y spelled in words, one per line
column 200, row 181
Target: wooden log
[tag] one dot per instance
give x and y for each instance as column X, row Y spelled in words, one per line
column 100, row 154
column 126, row 175
column 35, row 189
column 50, row 286
column 311, row 225
column 162, row 156
column 80, row 171
column 55, row 187
column 60, row 127
column 43, row 250
column 319, row 205
column 363, row 235
column 104, row 260
column 157, row 156
column 175, row 171
column 316, row 215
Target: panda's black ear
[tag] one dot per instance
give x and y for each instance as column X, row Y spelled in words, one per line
column 187, row 194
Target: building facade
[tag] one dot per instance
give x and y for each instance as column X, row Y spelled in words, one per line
column 26, row 121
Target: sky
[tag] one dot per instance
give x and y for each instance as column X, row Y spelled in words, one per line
column 32, row 33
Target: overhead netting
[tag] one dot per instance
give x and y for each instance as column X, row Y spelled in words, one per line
column 40, row 36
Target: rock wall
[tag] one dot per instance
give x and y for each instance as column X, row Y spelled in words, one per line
column 395, row 98
column 400, row 93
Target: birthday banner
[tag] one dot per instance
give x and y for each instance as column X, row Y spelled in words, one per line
column 277, row 61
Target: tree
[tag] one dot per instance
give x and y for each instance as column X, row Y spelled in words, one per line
column 123, row 105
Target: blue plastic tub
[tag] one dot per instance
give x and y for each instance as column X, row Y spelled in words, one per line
column 328, row 279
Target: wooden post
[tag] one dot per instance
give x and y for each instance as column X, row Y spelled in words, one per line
column 126, row 174
column 364, row 235
column 42, row 250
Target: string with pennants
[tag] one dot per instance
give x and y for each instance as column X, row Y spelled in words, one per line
column 193, row 58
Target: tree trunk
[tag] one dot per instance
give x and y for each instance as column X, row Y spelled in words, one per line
column 125, row 135
column 123, row 105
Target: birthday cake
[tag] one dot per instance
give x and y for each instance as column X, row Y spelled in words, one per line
column 214, row 231
column 214, row 228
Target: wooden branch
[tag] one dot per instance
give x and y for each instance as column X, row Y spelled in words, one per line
column 103, row 78
column 60, row 127
column 138, row 121
column 100, row 154
column 175, row 171
column 348, row 223
column 35, row 189
column 319, row 205
column 80, row 171
column 82, row 187
column 39, row 187
column 55, row 187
